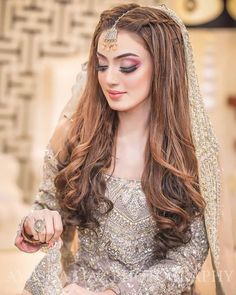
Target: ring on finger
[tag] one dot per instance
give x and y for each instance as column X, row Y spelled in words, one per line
column 39, row 225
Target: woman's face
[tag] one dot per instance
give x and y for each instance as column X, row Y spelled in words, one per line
column 126, row 71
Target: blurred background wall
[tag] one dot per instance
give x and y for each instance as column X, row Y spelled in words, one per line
column 42, row 46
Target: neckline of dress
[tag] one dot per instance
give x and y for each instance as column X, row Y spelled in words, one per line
column 109, row 176
column 118, row 178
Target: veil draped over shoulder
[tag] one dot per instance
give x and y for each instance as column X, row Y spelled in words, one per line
column 207, row 152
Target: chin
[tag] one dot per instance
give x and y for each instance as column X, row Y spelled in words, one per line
column 120, row 107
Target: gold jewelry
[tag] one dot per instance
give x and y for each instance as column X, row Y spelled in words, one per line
column 110, row 39
column 39, row 225
column 26, row 237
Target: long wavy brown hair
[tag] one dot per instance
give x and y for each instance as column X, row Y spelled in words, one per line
column 170, row 177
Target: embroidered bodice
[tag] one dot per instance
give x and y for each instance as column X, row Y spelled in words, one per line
column 121, row 255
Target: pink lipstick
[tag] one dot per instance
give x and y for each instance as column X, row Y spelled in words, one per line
column 114, row 94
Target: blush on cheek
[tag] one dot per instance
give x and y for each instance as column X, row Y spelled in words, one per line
column 138, row 85
column 138, row 78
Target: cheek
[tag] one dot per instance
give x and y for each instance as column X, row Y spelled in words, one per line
column 138, row 83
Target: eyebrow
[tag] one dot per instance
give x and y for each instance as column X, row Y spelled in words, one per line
column 119, row 56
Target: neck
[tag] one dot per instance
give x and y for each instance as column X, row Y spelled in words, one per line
column 133, row 123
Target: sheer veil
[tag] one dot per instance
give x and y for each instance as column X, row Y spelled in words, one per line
column 207, row 151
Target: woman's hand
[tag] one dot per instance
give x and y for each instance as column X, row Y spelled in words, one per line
column 74, row 289
column 53, row 225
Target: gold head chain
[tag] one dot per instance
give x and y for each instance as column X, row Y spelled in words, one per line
column 110, row 39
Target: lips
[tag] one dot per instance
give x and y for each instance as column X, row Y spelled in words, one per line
column 115, row 92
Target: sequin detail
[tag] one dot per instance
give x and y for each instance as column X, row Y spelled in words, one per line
column 169, row 276
column 207, row 148
column 121, row 256
column 46, row 193
column 46, row 278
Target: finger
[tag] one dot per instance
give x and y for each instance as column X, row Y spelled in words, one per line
column 58, row 227
column 42, row 234
column 49, row 228
column 29, row 227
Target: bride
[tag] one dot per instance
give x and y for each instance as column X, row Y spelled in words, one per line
column 129, row 200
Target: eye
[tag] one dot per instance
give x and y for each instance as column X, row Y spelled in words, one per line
column 128, row 69
column 122, row 69
column 101, row 68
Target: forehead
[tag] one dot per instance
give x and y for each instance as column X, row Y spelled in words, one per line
column 126, row 42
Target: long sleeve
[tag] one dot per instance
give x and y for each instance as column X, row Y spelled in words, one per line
column 176, row 273
column 46, row 192
column 49, row 277
column 45, row 199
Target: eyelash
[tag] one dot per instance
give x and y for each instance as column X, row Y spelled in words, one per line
column 122, row 69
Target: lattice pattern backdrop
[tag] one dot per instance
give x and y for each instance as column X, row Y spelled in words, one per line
column 29, row 31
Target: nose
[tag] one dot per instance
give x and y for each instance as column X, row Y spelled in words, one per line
column 112, row 76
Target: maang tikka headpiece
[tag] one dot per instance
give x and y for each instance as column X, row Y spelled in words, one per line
column 110, row 39
column 206, row 150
